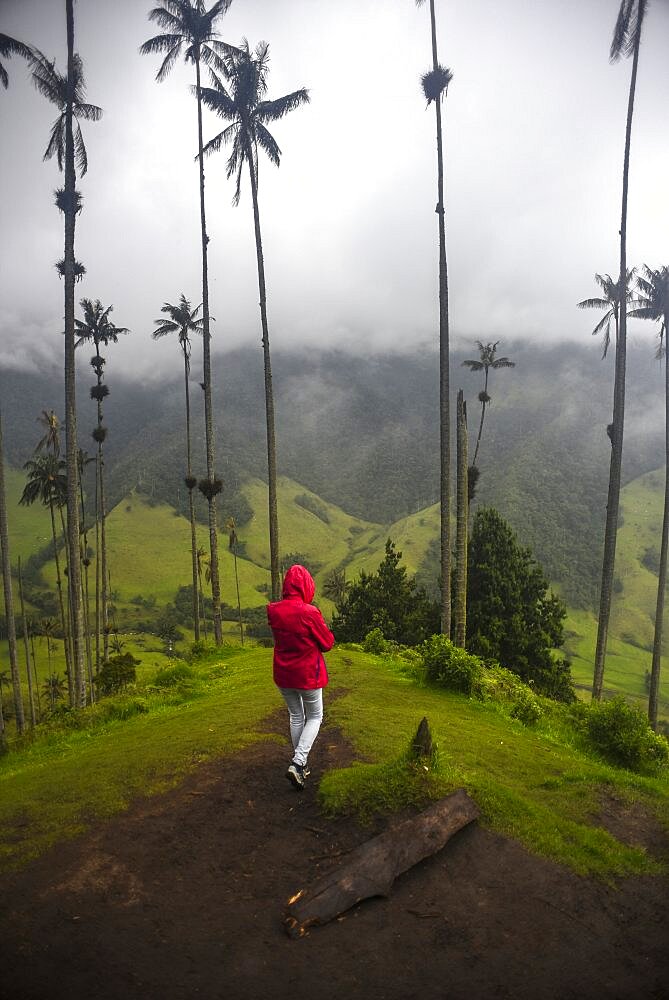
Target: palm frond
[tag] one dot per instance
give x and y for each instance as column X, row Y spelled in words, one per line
column 271, row 111
column 435, row 83
column 13, row 47
column 80, row 156
column 475, row 366
column 48, row 80
column 268, row 143
column 214, row 145
column 219, row 100
column 56, row 142
column 503, row 363
column 4, row 79
column 605, row 321
column 166, row 19
column 89, row 112
column 164, row 329
column 593, row 304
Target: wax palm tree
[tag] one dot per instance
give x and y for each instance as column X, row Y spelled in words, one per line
column 5, row 565
column 435, row 87
column 97, row 328
column 183, row 320
column 83, row 459
column 48, row 627
column 47, row 482
column 26, row 648
column 486, row 362
column 609, row 301
column 12, row 47
column 245, row 107
column 67, row 144
column 4, row 679
column 54, row 689
column 201, row 556
column 462, row 518
column 626, row 41
column 190, row 28
column 653, row 299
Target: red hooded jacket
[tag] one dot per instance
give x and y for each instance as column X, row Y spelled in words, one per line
column 300, row 634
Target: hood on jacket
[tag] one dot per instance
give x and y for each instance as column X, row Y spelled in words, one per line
column 298, row 582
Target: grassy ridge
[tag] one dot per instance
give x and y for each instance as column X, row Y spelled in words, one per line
column 534, row 784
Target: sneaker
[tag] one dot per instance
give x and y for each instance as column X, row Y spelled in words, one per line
column 296, row 775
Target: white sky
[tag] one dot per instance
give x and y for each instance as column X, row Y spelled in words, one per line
column 534, row 126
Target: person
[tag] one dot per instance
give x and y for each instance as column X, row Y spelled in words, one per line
column 300, row 639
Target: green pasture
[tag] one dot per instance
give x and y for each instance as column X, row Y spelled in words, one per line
column 29, row 527
column 534, row 784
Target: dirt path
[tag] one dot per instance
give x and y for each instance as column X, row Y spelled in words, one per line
column 181, row 897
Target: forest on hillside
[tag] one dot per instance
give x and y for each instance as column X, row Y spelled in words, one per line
column 361, row 433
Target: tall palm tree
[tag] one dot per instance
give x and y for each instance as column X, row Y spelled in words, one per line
column 97, row 328
column 626, row 41
column 435, row 87
column 609, row 301
column 183, row 321
column 245, row 107
column 190, row 27
column 486, row 361
column 462, row 518
column 12, row 47
column 67, row 144
column 653, row 299
column 5, row 565
column 47, row 483
column 83, row 459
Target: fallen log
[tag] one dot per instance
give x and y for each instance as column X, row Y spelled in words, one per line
column 371, row 869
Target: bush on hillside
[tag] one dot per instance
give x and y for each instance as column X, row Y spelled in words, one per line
column 177, row 673
column 116, row 673
column 621, row 734
column 496, row 683
column 374, row 642
column 449, row 666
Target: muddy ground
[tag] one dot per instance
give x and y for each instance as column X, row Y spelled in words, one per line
column 182, row 897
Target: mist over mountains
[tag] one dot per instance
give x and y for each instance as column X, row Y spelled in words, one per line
column 363, row 434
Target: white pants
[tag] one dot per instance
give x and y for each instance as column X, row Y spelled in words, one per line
column 305, row 709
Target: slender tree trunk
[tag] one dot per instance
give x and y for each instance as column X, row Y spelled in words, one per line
column 191, row 507
column 656, row 663
column 483, row 406
column 444, row 367
column 104, row 572
column 615, row 471
column 462, row 520
column 208, row 415
column 63, row 617
column 9, row 602
column 35, row 677
column 239, row 602
column 26, row 647
column 97, row 567
column 85, row 592
column 71, row 450
column 269, row 394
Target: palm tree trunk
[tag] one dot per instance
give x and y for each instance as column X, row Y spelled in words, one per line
column 97, row 566
column 444, row 367
column 61, row 601
column 26, row 647
column 31, row 629
column 656, row 663
column 9, row 602
column 239, row 602
column 104, row 573
column 208, row 416
column 615, row 470
column 191, row 508
column 71, row 450
column 483, row 406
column 461, row 533
column 85, row 592
column 269, row 394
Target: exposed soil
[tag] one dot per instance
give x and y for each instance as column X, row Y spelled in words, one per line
column 182, row 897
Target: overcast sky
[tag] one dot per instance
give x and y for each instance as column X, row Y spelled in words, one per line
column 534, row 131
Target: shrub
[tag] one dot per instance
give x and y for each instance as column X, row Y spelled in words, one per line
column 450, row 666
column 116, row 673
column 498, row 684
column 374, row 642
column 526, row 707
column 620, row 733
column 177, row 673
column 123, row 708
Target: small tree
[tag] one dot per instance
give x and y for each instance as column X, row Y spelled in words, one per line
column 511, row 615
column 388, row 600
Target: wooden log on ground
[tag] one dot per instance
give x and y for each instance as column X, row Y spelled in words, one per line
column 371, row 869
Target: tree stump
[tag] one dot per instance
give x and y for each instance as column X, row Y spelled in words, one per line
column 372, row 868
column 421, row 745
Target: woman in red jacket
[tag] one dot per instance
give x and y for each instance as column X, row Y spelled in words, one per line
column 300, row 639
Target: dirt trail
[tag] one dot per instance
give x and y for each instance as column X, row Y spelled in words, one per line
column 182, row 896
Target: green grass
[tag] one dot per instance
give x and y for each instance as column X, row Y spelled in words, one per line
column 55, row 786
column 534, row 784
column 29, row 527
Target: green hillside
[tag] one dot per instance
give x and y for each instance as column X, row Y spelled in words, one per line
column 29, row 527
